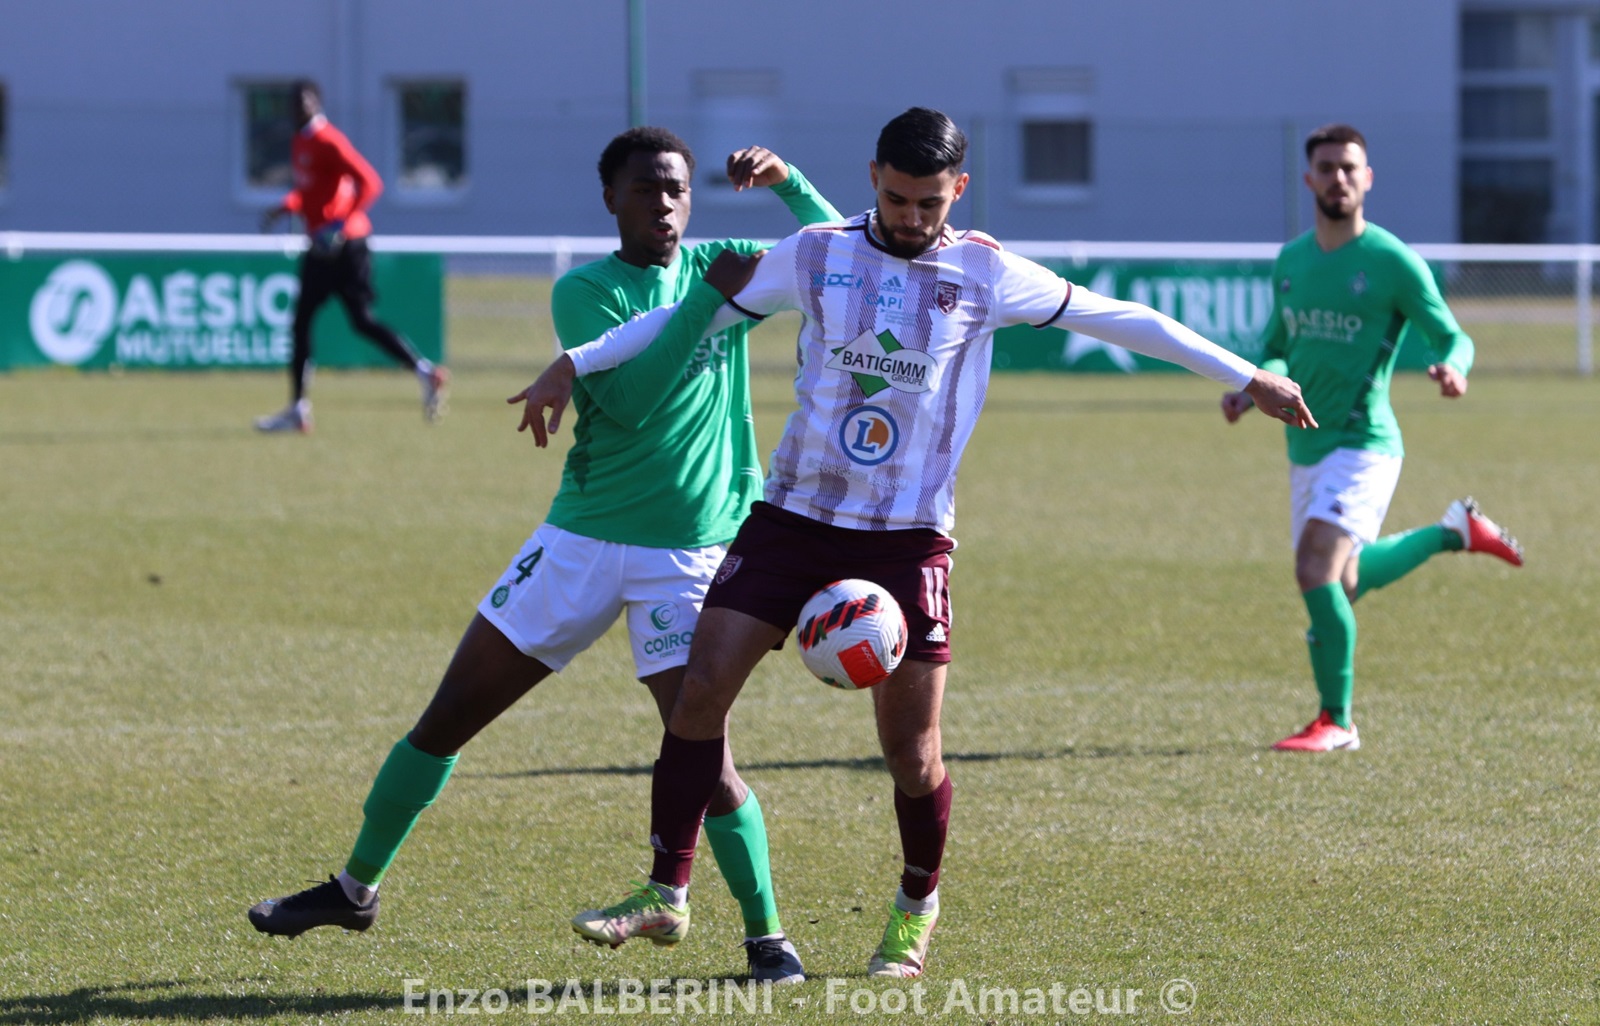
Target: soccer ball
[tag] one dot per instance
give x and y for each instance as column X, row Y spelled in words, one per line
column 852, row 634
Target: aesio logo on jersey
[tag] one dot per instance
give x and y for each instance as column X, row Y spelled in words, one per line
column 710, row 354
column 1329, row 325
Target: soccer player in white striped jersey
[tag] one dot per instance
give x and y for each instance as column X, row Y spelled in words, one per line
column 899, row 313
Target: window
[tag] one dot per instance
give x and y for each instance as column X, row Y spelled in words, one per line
column 737, row 108
column 1505, row 112
column 1055, row 132
column 269, row 127
column 1505, row 41
column 5, row 171
column 1506, row 200
column 432, row 136
column 1055, row 152
column 1518, row 180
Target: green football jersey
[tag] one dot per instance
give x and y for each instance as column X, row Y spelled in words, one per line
column 1336, row 330
column 673, row 467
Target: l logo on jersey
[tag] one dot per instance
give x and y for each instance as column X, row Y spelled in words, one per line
column 879, row 361
column 869, row 435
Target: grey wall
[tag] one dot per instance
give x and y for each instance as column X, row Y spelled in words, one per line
column 122, row 115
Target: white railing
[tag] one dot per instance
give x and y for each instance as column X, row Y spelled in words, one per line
column 564, row 249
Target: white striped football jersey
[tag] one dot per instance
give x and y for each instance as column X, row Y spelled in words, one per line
column 893, row 362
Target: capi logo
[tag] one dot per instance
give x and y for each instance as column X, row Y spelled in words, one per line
column 73, row 312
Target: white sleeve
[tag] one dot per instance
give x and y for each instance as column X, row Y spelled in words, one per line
column 769, row 290
column 772, row 287
column 622, row 343
column 1027, row 293
column 1143, row 330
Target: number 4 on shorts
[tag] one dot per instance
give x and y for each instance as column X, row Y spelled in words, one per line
column 527, row 564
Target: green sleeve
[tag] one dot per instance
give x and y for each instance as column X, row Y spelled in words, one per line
column 1274, row 357
column 1422, row 305
column 582, row 310
column 803, row 200
column 630, row 393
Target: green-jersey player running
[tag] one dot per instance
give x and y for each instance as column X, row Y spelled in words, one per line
column 1343, row 293
column 652, row 491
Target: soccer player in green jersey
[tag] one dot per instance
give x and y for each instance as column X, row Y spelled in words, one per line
column 652, row 491
column 1343, row 293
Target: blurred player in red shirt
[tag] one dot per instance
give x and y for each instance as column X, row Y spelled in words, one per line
column 333, row 187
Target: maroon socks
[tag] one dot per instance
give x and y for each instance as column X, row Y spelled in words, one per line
column 923, row 824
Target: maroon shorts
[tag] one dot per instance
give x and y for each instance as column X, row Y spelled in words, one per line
column 780, row 559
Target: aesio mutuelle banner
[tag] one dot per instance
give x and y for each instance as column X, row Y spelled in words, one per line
column 197, row 311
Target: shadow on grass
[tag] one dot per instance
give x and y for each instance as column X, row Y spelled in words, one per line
column 173, row 999
column 874, row 763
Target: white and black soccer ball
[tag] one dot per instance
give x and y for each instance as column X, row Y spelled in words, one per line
column 852, row 634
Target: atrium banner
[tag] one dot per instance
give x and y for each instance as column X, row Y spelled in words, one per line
column 199, row 311
column 1229, row 302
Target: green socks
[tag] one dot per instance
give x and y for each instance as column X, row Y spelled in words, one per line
column 408, row 783
column 1332, row 641
column 1392, row 557
column 739, row 841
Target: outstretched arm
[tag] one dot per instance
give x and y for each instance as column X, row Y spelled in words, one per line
column 658, row 367
column 1143, row 330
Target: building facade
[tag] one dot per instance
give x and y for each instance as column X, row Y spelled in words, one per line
column 1136, row 120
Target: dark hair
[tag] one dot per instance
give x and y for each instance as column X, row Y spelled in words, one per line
column 1335, row 133
column 645, row 139
column 305, row 85
column 922, row 142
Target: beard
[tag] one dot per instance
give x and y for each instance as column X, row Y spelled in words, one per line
column 1333, row 213
column 896, row 246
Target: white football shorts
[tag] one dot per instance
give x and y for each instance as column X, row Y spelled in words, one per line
column 564, row 590
column 1348, row 488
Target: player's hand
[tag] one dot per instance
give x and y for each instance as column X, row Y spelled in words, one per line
column 1452, row 383
column 1280, row 399
column 1236, row 405
column 756, row 166
column 731, row 271
column 551, row 391
column 269, row 218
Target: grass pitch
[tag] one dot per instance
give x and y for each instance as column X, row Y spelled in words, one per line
column 209, row 640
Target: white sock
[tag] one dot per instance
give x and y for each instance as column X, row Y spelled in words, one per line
column 676, row 896
column 302, row 407
column 424, row 368
column 766, row 936
column 357, row 891
column 917, row 906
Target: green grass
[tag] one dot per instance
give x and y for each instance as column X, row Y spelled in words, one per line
column 210, row 639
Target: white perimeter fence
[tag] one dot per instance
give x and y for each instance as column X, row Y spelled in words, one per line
column 1529, row 308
